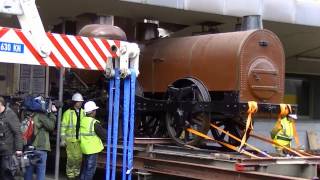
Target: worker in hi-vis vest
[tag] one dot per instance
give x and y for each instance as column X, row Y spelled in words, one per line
column 90, row 142
column 283, row 132
column 70, row 136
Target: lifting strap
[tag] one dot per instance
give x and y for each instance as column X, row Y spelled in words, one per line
column 131, row 123
column 252, row 108
column 298, row 153
column 222, row 143
column 115, row 123
column 127, row 124
column 109, row 126
column 239, row 140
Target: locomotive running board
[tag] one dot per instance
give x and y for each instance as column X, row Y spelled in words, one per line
column 228, row 108
column 208, row 164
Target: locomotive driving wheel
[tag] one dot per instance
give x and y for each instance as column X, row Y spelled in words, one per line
column 177, row 120
column 234, row 126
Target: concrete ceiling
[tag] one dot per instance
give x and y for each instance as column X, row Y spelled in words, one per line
column 298, row 40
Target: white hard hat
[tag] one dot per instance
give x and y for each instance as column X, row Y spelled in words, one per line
column 90, row 106
column 77, row 97
column 293, row 116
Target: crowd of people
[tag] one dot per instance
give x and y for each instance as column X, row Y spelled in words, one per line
column 81, row 134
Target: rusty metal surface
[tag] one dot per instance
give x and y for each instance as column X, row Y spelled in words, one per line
column 251, row 62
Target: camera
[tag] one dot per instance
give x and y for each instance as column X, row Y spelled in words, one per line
column 29, row 157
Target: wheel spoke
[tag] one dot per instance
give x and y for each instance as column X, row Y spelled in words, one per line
column 176, row 123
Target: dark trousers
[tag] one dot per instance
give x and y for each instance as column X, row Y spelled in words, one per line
column 6, row 167
column 89, row 166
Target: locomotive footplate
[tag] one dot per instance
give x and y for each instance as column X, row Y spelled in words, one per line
column 233, row 108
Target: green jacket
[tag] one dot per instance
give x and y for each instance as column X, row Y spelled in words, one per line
column 44, row 123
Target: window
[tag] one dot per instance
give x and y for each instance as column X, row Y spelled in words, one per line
column 297, row 91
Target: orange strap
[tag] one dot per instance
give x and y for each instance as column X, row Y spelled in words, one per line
column 239, row 140
column 222, row 143
column 252, row 108
column 275, row 143
column 295, row 134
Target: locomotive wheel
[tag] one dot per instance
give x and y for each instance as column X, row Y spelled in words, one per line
column 234, row 126
column 177, row 121
column 148, row 124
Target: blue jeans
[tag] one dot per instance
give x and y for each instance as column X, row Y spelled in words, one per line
column 40, row 168
column 89, row 166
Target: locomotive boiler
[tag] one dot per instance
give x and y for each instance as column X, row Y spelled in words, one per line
column 193, row 81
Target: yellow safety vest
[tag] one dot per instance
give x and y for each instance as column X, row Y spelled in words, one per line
column 68, row 125
column 90, row 143
column 285, row 135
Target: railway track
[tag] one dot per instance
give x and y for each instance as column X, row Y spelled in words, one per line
column 160, row 155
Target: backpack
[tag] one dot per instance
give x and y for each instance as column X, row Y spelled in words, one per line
column 27, row 129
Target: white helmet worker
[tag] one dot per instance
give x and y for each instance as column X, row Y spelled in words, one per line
column 293, row 116
column 77, row 97
column 90, row 106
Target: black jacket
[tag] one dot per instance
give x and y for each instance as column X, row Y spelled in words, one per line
column 10, row 133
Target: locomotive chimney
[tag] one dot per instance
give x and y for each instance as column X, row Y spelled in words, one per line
column 251, row 22
column 147, row 30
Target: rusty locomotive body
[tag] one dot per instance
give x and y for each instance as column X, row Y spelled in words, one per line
column 193, row 81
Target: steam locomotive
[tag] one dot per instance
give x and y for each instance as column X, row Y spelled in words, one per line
column 197, row 80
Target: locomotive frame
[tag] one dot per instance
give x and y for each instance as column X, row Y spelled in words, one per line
column 224, row 113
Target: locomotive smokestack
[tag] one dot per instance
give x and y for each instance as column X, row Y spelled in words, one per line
column 147, row 30
column 251, row 22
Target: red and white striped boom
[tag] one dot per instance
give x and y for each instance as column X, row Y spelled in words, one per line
column 35, row 47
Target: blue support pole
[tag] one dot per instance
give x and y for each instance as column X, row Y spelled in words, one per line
column 115, row 124
column 109, row 126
